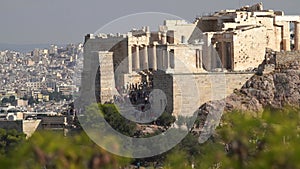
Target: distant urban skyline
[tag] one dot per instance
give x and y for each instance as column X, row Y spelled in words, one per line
column 62, row 22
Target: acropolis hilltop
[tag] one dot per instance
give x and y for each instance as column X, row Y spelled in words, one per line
column 230, row 41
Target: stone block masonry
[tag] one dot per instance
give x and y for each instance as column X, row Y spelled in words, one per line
column 210, row 86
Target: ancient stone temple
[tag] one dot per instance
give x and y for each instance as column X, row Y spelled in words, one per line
column 231, row 41
column 241, row 36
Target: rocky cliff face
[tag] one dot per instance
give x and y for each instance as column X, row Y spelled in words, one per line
column 275, row 89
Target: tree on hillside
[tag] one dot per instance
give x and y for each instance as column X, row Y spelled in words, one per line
column 11, row 99
column 95, row 113
column 9, row 139
column 244, row 141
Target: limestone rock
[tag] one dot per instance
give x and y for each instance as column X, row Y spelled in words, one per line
column 276, row 89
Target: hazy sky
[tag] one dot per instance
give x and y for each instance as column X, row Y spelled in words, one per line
column 65, row 21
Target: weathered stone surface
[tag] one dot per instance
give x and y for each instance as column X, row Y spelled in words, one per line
column 276, row 89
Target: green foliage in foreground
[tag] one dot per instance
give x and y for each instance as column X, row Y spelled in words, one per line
column 96, row 113
column 9, row 139
column 244, row 141
column 165, row 119
column 53, row 150
column 240, row 142
column 117, row 121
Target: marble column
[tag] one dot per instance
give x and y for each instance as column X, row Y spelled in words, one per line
column 129, row 58
column 165, row 56
column 145, row 58
column 164, row 38
column 286, row 37
column 160, row 60
column 212, row 54
column 154, row 58
column 136, row 60
column 167, row 59
column 141, row 55
column 297, row 35
column 223, row 55
column 163, row 59
column 200, row 59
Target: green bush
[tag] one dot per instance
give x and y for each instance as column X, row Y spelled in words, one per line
column 52, row 150
column 244, row 141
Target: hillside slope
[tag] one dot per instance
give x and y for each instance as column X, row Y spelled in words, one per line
column 275, row 89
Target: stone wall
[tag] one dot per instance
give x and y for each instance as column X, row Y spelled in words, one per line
column 216, row 86
column 183, row 89
column 120, row 56
column 164, row 82
column 180, row 29
column 9, row 125
column 30, row 126
column 96, row 44
column 94, row 48
column 105, row 78
column 249, row 48
column 185, row 58
column 208, row 25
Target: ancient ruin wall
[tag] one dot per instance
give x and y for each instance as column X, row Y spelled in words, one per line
column 249, row 48
column 211, row 86
column 106, row 77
